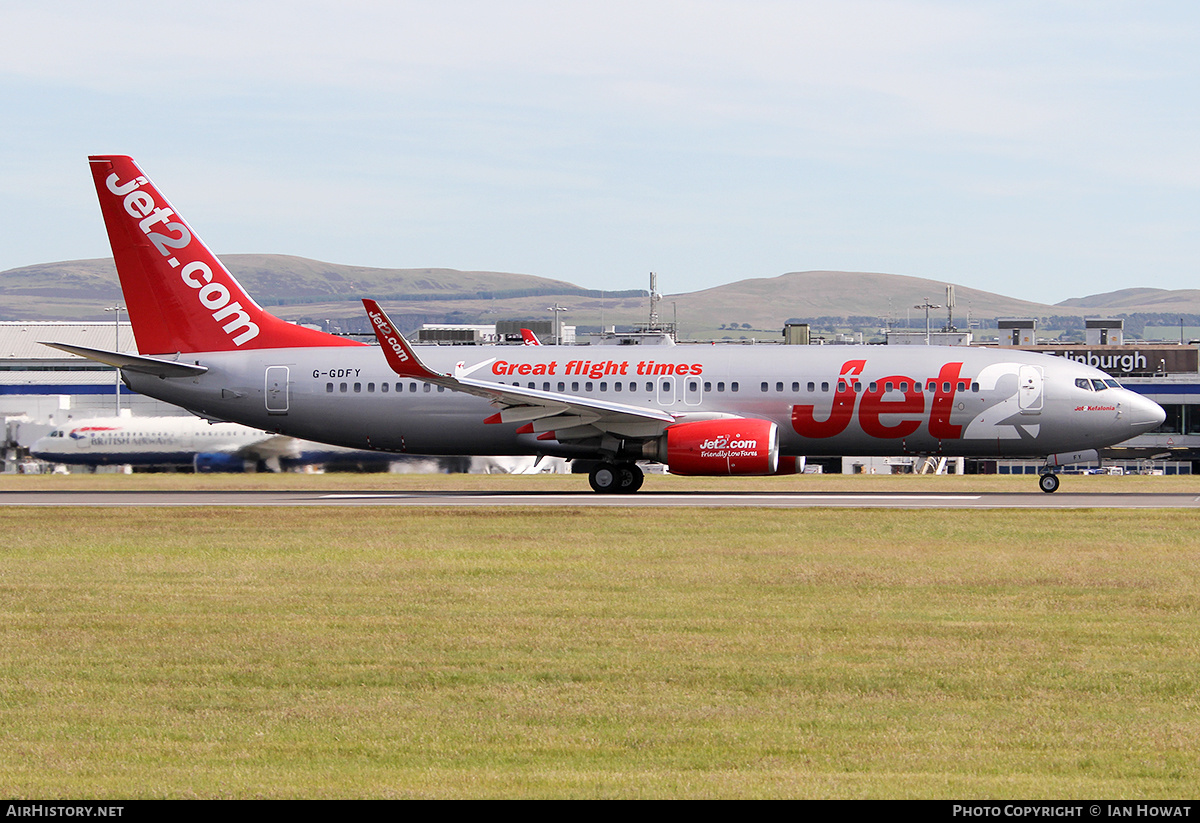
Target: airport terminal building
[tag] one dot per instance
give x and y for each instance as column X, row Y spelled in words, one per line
column 41, row 387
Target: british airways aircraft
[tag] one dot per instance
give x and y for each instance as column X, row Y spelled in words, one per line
column 204, row 344
column 187, row 442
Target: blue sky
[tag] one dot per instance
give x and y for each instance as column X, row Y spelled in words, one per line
column 1044, row 150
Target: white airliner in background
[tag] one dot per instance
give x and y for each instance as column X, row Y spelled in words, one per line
column 187, row 442
column 205, row 345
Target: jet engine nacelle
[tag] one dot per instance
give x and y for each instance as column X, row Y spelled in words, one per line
column 218, row 462
column 721, row 447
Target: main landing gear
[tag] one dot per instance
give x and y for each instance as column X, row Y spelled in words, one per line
column 616, row 478
column 1048, row 482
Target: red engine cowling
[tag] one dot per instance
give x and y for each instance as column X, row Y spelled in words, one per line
column 721, row 447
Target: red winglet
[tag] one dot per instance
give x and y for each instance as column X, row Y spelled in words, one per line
column 400, row 356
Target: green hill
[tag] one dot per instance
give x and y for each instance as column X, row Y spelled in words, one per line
column 301, row 289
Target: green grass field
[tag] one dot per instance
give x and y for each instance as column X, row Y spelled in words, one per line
column 577, row 653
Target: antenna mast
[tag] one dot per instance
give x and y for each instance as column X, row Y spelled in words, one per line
column 654, row 298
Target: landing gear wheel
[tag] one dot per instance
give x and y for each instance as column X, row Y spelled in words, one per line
column 629, row 477
column 1048, row 483
column 604, row 478
column 616, row 478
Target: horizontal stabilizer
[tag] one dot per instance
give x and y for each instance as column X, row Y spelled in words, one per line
column 133, row 362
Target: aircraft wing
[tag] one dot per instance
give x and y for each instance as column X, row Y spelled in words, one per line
column 551, row 415
column 271, row 446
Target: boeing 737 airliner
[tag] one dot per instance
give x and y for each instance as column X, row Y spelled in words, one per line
column 205, row 345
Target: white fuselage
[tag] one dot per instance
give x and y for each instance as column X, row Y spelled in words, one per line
column 826, row 400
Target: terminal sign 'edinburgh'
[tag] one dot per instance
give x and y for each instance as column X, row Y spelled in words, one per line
column 1123, row 361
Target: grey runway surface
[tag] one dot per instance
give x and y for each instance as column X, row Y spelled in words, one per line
column 465, row 499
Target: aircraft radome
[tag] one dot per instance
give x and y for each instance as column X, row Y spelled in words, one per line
column 205, row 345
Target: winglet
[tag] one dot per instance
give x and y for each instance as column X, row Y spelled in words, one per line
column 400, row 356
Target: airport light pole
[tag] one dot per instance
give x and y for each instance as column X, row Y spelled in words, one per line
column 927, row 306
column 117, row 347
column 557, row 326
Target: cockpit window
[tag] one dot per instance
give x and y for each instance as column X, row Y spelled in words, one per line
column 1112, row 384
column 1099, row 385
column 1083, row 383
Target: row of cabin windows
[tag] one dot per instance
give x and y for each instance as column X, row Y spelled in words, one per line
column 383, row 387
column 667, row 386
column 632, row 386
column 889, row 385
column 545, row 386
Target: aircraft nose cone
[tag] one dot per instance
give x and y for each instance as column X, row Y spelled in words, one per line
column 1144, row 414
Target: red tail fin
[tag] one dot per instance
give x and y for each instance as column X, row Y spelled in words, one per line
column 179, row 295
